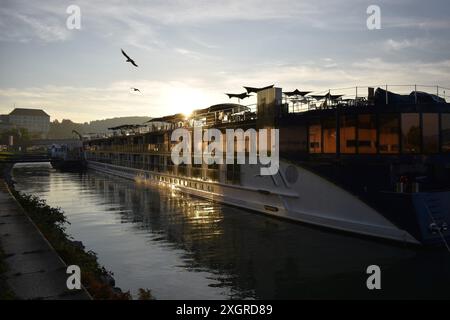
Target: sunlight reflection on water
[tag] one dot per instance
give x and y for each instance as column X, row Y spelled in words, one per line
column 182, row 247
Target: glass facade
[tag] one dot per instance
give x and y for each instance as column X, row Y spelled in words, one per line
column 411, row 133
column 329, row 135
column 347, row 134
column 445, row 132
column 315, row 137
column 389, row 130
column 430, row 132
column 293, row 139
column 367, row 133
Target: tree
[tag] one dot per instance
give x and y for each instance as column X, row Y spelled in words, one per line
column 21, row 137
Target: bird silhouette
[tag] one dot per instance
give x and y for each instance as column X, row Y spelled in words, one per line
column 135, row 89
column 129, row 59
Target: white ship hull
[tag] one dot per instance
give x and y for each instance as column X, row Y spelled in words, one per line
column 309, row 199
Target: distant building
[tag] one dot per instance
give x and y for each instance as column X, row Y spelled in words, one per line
column 36, row 121
column 4, row 123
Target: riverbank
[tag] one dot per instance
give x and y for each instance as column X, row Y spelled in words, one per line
column 31, row 267
column 5, row 291
column 49, row 224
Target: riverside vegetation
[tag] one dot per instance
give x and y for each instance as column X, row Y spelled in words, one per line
column 52, row 223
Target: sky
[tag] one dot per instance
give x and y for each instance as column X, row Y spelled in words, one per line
column 190, row 52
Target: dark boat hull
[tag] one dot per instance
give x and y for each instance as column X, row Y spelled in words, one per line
column 68, row 165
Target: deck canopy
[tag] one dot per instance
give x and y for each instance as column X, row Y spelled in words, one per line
column 334, row 97
column 318, row 97
column 233, row 107
column 296, row 92
column 256, row 90
column 238, row 95
column 298, row 100
column 328, row 96
column 127, row 127
column 172, row 118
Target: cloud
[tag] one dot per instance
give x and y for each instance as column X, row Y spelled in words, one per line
column 209, row 47
column 166, row 97
column 117, row 99
column 418, row 23
column 406, row 73
column 397, row 45
column 141, row 23
column 25, row 28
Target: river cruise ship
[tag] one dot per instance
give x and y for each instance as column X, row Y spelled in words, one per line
column 370, row 162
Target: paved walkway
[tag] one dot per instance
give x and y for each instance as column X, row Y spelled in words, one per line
column 35, row 269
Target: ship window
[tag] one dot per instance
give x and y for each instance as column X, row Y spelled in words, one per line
column 293, row 139
column 389, row 133
column 445, row 132
column 315, row 137
column 367, row 133
column 348, row 134
column 329, row 135
column 430, row 132
column 410, row 133
column 301, row 138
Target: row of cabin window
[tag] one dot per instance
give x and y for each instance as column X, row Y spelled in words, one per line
column 419, row 133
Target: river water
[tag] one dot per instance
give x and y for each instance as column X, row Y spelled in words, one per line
column 183, row 247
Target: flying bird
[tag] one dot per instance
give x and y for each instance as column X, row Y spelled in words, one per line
column 129, row 59
column 135, row 89
column 238, row 95
column 256, row 90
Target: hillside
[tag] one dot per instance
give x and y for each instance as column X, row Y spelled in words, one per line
column 63, row 129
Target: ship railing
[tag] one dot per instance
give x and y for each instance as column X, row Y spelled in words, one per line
column 228, row 115
column 359, row 96
column 180, row 170
column 133, row 148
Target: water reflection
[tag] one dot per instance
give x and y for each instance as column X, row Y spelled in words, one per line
column 187, row 248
